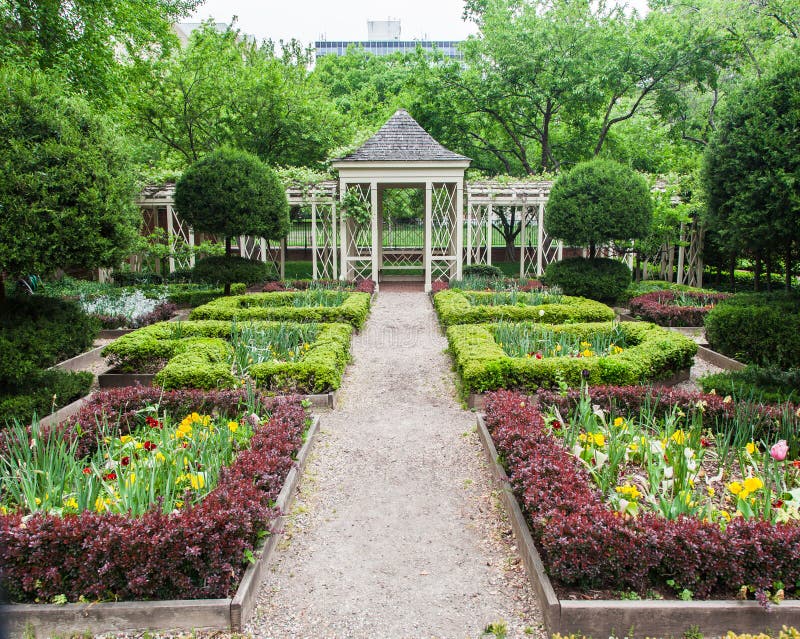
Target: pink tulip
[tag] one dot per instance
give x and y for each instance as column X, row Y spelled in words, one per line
column 779, row 450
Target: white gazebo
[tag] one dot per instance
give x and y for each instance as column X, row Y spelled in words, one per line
column 403, row 155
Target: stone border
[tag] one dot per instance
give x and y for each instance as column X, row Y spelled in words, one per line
column 82, row 361
column 606, row 617
column 118, row 380
column 186, row 615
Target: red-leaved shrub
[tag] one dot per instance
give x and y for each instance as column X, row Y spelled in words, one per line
column 198, row 553
column 585, row 544
column 660, row 307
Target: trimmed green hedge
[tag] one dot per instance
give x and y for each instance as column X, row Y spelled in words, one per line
column 762, row 329
column 197, row 357
column 653, row 353
column 193, row 297
column 278, row 306
column 454, row 308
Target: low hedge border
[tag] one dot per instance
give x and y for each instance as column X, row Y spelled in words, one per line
column 454, row 308
column 198, row 358
column 585, row 544
column 353, row 310
column 195, row 554
column 191, row 298
column 653, row 353
column 659, row 307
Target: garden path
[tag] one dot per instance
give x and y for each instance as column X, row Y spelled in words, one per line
column 396, row 531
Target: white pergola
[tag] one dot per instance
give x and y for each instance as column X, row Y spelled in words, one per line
column 403, row 155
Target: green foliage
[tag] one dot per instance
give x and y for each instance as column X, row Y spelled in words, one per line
column 230, row 193
column 648, row 286
column 768, row 384
column 600, row 278
column 757, row 329
column 752, row 170
column 282, row 306
column 198, row 354
column 454, row 307
column 653, row 353
column 482, row 270
column 37, row 332
column 227, row 269
column 43, row 392
column 598, row 202
column 191, row 297
column 66, row 198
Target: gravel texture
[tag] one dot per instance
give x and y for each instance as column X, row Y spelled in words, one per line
column 397, row 530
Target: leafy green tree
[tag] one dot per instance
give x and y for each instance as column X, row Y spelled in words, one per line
column 66, row 197
column 224, row 90
column 752, row 168
column 596, row 202
column 230, row 192
column 88, row 41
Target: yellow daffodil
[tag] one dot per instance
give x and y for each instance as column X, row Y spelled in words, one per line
column 233, row 426
column 619, row 421
column 735, row 487
column 750, row 448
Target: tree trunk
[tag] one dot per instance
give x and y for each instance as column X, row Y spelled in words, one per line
column 757, row 273
column 592, row 250
column 788, row 258
column 638, row 268
column 768, row 264
column 228, row 251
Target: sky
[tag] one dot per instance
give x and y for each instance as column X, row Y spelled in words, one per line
column 307, row 20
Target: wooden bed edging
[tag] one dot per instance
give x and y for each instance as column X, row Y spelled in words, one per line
column 607, row 617
column 46, row 620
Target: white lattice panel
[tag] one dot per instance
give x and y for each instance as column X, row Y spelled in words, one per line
column 358, row 249
column 325, row 240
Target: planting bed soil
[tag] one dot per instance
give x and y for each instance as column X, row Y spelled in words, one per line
column 185, row 560
column 579, row 541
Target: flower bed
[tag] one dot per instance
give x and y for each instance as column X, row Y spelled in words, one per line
column 675, row 308
column 358, row 286
column 586, row 542
column 196, row 551
column 650, row 353
column 282, row 356
column 458, row 307
column 313, row 305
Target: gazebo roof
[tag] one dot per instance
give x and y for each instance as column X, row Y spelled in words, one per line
column 402, row 139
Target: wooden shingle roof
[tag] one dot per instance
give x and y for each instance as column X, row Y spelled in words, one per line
column 402, row 139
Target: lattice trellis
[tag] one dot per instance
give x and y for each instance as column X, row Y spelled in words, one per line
column 324, row 241
column 357, row 237
column 529, row 242
column 478, row 233
column 443, row 223
column 179, row 233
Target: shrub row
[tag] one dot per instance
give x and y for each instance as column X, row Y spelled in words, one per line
column 278, row 306
column 587, row 545
column 767, row 384
column 660, row 307
column 454, row 308
column 191, row 297
column 222, row 269
column 360, row 286
column 757, row 329
column 198, row 553
column 45, row 391
column 653, row 353
column 197, row 354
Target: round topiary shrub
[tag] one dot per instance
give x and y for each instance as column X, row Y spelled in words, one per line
column 482, row 270
column 229, row 269
column 599, row 279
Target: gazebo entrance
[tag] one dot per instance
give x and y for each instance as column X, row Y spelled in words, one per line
column 401, row 155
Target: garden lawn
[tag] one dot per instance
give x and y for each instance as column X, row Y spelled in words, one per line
column 494, row 356
column 468, row 307
column 202, row 471
column 279, row 356
column 312, row 305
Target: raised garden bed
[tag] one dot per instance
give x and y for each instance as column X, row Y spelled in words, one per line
column 278, row 356
column 312, row 305
column 192, row 563
column 675, row 308
column 529, row 356
column 474, row 307
column 566, row 530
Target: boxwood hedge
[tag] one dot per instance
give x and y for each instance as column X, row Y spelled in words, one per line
column 279, row 306
column 196, row 355
column 652, row 353
column 453, row 308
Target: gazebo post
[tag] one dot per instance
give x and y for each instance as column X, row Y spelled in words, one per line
column 459, row 228
column 343, row 233
column 373, row 197
column 314, row 274
column 428, row 233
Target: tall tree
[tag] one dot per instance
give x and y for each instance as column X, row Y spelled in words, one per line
column 66, row 197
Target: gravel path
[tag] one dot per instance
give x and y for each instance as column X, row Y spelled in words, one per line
column 397, row 531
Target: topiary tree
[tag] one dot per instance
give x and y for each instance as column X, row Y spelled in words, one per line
column 67, row 192
column 230, row 192
column 597, row 202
